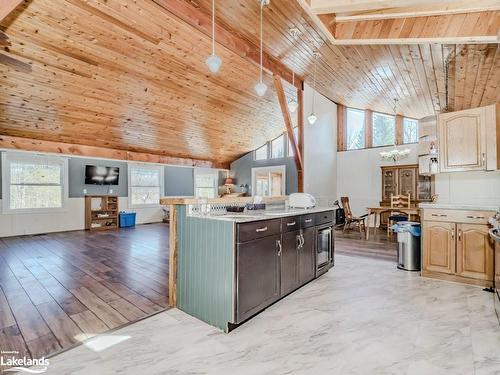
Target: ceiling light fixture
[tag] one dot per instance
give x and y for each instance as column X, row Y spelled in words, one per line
column 395, row 154
column 213, row 61
column 292, row 103
column 312, row 117
column 261, row 87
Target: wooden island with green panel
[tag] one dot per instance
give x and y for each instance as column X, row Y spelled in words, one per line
column 225, row 267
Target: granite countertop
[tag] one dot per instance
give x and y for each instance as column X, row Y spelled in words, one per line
column 454, row 206
column 258, row 215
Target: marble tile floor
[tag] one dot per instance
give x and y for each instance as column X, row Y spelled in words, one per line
column 363, row 317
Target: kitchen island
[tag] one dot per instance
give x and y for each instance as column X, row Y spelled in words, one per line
column 227, row 267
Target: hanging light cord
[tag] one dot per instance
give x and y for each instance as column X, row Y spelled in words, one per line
column 261, row 6
column 314, row 81
column 213, row 27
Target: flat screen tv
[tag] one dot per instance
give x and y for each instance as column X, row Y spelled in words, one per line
column 97, row 175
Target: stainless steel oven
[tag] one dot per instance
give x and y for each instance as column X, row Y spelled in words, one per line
column 324, row 248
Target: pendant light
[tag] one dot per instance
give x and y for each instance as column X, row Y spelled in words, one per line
column 261, row 87
column 213, row 61
column 312, row 117
column 292, row 103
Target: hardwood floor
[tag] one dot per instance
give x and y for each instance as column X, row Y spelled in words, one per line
column 59, row 289
column 378, row 246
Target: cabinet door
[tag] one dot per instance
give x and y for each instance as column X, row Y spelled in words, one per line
column 389, row 183
column 475, row 252
column 462, row 140
column 407, row 182
column 439, row 246
column 290, row 262
column 307, row 256
column 258, row 275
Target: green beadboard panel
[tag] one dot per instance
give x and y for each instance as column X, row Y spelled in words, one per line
column 205, row 268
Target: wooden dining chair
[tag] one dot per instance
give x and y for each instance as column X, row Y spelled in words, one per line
column 350, row 218
column 398, row 201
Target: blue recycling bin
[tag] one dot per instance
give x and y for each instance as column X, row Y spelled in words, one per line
column 127, row 219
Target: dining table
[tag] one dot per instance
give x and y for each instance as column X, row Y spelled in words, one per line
column 376, row 211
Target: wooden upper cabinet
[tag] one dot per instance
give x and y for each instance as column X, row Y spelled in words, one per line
column 407, row 182
column 439, row 247
column 475, row 252
column 468, row 140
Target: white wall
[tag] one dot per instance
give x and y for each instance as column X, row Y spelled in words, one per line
column 320, row 149
column 360, row 178
column 480, row 188
column 71, row 219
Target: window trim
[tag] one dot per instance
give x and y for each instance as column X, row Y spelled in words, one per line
column 8, row 157
column 266, row 145
column 282, row 136
column 131, row 166
column 280, row 168
column 206, row 171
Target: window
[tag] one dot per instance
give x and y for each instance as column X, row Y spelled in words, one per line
column 205, row 182
column 410, row 130
column 145, row 185
column 384, row 129
column 269, row 181
column 355, row 121
column 278, row 147
column 296, row 136
column 261, row 153
column 34, row 183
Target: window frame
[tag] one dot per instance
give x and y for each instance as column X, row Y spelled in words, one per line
column 206, row 171
column 403, row 130
column 266, row 145
column 282, row 137
column 9, row 157
column 373, row 126
column 161, row 187
column 347, row 129
column 279, row 168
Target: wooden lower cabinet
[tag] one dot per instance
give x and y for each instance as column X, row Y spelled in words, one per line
column 290, row 262
column 307, row 255
column 475, row 254
column 439, row 247
column 461, row 252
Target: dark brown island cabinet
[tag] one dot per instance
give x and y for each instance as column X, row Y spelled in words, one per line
column 275, row 257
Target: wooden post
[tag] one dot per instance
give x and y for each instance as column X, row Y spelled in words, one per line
column 172, row 258
column 399, row 130
column 288, row 122
column 341, row 128
column 300, row 125
column 368, row 128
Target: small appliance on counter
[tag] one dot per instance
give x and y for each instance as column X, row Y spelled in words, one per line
column 301, row 200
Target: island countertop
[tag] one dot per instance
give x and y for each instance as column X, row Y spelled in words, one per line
column 257, row 215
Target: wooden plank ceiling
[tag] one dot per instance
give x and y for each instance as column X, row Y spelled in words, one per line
column 130, row 75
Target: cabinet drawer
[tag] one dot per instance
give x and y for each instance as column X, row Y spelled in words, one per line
column 307, row 221
column 289, row 224
column 258, row 229
column 323, row 218
column 458, row 216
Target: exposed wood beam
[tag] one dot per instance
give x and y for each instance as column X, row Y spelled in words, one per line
column 481, row 27
column 368, row 128
column 339, row 6
column 35, row 145
column 195, row 17
column 7, row 7
column 422, row 11
column 300, row 124
column 288, row 121
column 399, row 130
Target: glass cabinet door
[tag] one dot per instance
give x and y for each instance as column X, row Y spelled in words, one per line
column 407, row 182
column 389, row 183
